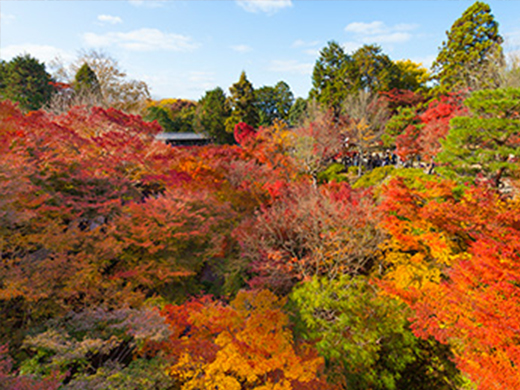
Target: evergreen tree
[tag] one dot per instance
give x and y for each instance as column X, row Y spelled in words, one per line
column 284, row 99
column 333, row 77
column 26, row 81
column 86, row 80
column 486, row 142
column 375, row 70
column 297, row 112
column 265, row 102
column 242, row 101
column 3, row 76
column 472, row 54
column 211, row 114
column 273, row 103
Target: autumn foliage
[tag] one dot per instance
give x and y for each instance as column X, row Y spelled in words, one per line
column 125, row 260
column 454, row 260
column 244, row 345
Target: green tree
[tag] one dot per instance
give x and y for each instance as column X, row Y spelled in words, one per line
column 397, row 125
column 375, row 70
column 472, row 54
column 265, row 102
column 86, row 80
column 365, row 338
column 486, row 142
column 242, row 102
column 273, row 103
column 297, row 112
column 3, row 76
column 210, row 116
column 174, row 115
column 285, row 99
column 26, row 81
column 333, row 77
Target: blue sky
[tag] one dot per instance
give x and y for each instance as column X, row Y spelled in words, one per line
column 183, row 48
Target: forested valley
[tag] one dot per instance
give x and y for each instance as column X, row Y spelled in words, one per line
column 366, row 237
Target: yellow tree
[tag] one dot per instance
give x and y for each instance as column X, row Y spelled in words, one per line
column 412, row 75
column 244, row 345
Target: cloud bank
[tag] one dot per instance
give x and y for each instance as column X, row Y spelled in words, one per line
column 144, row 39
column 265, row 6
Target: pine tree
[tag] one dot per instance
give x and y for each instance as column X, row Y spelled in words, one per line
column 26, row 81
column 472, row 53
column 486, row 142
column 242, row 101
column 86, row 80
column 376, row 71
column 333, row 77
column 211, row 115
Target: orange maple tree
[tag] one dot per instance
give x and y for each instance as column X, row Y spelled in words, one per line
column 454, row 259
column 244, row 345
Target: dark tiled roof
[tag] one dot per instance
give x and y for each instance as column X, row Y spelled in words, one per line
column 181, row 137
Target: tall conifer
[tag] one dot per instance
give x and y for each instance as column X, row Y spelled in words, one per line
column 472, row 54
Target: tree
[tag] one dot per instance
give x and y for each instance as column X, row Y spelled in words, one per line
column 305, row 232
column 242, row 102
column 488, row 141
column 285, row 99
column 3, row 76
column 211, row 114
column 98, row 348
column 87, row 199
column 317, row 143
column 174, row 115
column 273, row 103
column 374, row 69
column 402, row 131
column 333, row 77
column 297, row 112
column 84, row 90
column 435, row 123
column 116, row 90
column 365, row 338
column 452, row 256
column 472, row 55
column 26, row 81
column 412, row 76
column 367, row 114
column 246, row 345
column 86, row 80
column 265, row 102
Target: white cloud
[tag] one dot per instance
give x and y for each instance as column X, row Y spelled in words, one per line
column 351, row 46
column 189, row 85
column 147, row 3
column 425, row 62
column 44, row 53
column 291, row 66
column 301, row 43
column 396, row 37
column 512, row 41
column 366, row 28
column 144, row 39
column 6, row 18
column 110, row 19
column 201, row 79
column 379, row 32
column 241, row 48
column 307, row 47
column 312, row 52
column 266, row 6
